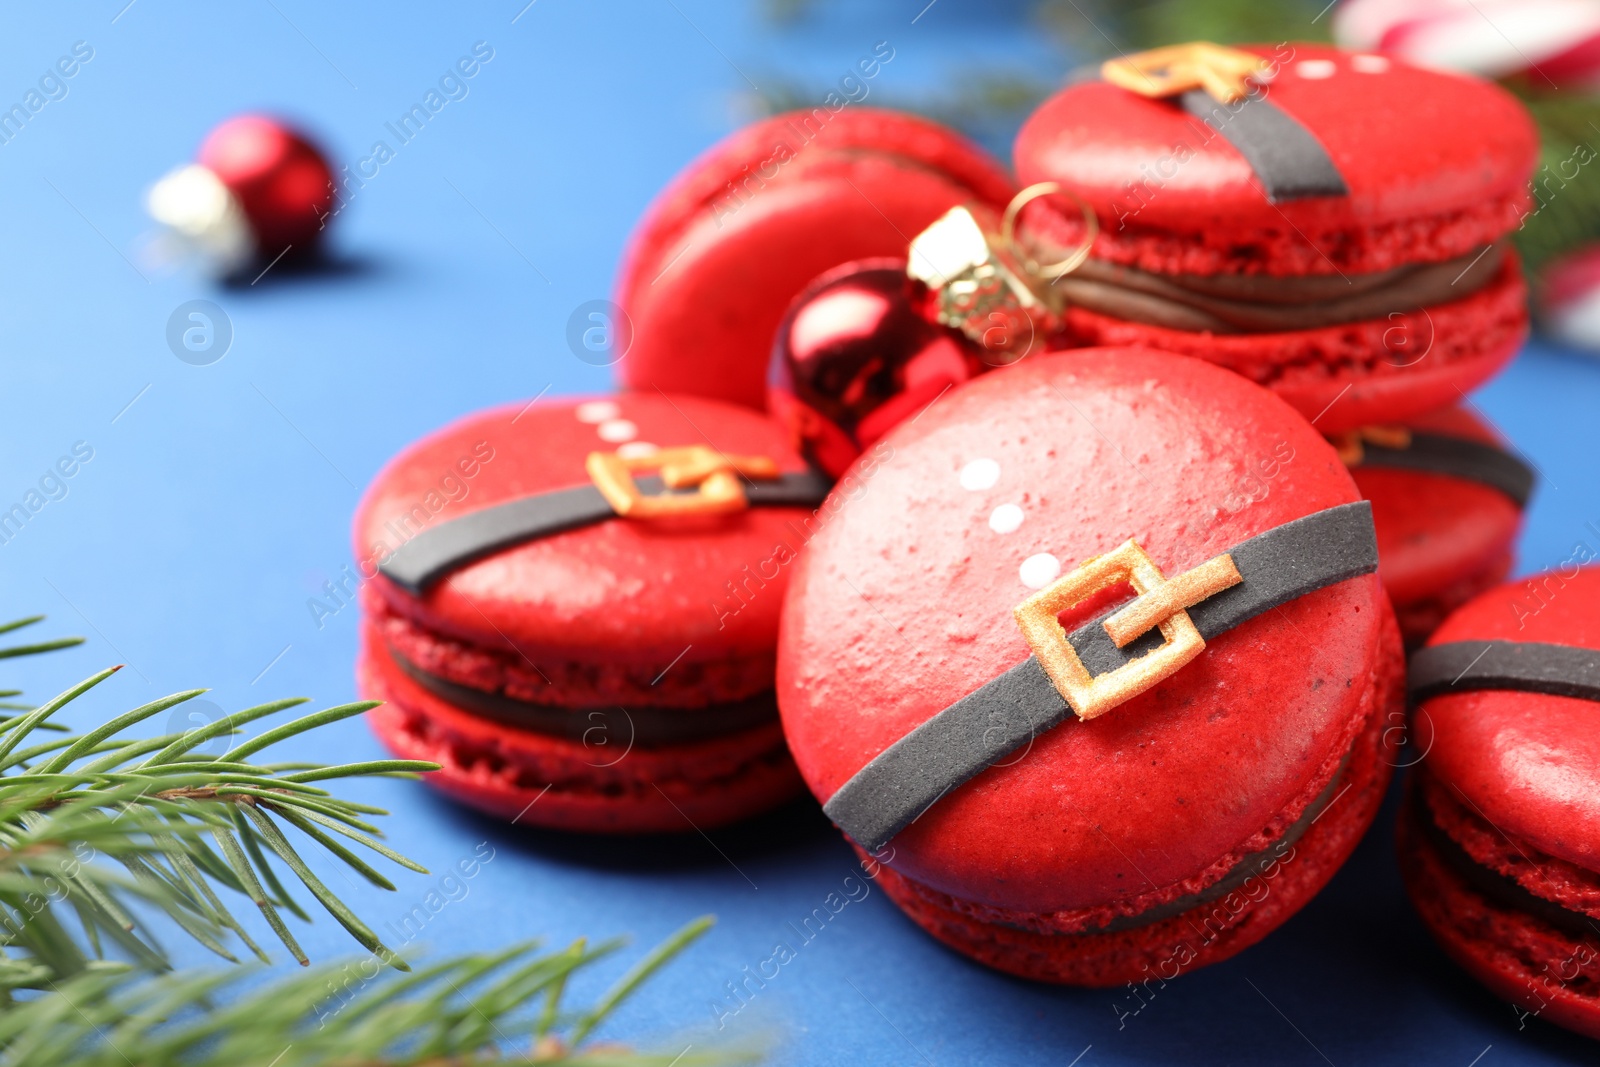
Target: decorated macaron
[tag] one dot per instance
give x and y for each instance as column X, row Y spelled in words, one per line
column 1447, row 498
column 1333, row 226
column 1500, row 837
column 1100, row 715
column 573, row 607
column 716, row 260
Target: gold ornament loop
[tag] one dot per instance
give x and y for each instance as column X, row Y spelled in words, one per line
column 1049, row 271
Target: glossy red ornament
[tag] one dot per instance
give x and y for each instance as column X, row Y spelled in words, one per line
column 257, row 189
column 280, row 179
column 855, row 356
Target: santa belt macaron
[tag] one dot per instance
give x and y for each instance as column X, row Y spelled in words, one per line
column 693, row 480
column 1102, row 663
column 1403, row 448
column 1518, row 666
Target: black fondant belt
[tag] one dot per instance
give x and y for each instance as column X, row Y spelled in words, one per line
column 1212, row 84
column 1454, row 457
column 1087, row 671
column 1288, row 159
column 1521, row 666
column 693, row 480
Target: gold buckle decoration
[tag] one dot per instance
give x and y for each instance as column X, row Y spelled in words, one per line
column 1161, row 72
column 716, row 475
column 1161, row 603
column 1352, row 445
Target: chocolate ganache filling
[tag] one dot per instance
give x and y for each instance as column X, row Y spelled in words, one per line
column 1498, row 889
column 646, row 727
column 1261, row 303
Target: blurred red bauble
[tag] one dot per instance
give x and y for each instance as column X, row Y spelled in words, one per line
column 279, row 178
column 855, row 356
column 257, row 189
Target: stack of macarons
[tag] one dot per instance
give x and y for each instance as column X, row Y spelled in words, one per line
column 615, row 674
column 574, row 659
column 1500, row 835
column 1339, row 234
column 1097, row 657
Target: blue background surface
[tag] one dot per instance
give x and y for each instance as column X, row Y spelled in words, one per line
column 218, row 498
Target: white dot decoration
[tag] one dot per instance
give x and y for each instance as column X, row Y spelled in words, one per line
column 1039, row 570
column 1369, row 64
column 637, row 450
column 1005, row 518
column 1315, row 69
column 980, row 474
column 617, row 430
column 594, row 411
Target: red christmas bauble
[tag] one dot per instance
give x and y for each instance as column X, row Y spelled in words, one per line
column 279, row 178
column 256, row 190
column 855, row 356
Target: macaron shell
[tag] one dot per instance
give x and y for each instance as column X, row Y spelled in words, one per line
column 1497, row 946
column 570, row 683
column 1361, row 373
column 1438, row 535
column 1433, row 529
column 1410, row 144
column 852, row 130
column 608, row 786
column 904, row 601
column 1572, row 887
column 1419, row 618
column 1205, row 934
column 635, row 593
column 1529, row 763
column 714, row 266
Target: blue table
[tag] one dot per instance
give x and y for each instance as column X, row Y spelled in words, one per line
column 217, row 499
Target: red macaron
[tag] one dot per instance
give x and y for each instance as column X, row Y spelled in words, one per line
column 1339, row 234
column 1500, row 836
column 712, row 266
column 575, row 661
column 1218, row 793
column 1447, row 499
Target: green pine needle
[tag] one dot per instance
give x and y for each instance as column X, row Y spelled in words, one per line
column 467, row 1010
column 94, row 824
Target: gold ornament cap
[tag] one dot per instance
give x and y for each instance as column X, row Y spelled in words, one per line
column 983, row 284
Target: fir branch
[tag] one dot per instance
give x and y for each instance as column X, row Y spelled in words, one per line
column 1564, row 214
column 185, row 828
column 459, row 1012
column 34, row 649
column 1100, row 29
column 93, row 825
